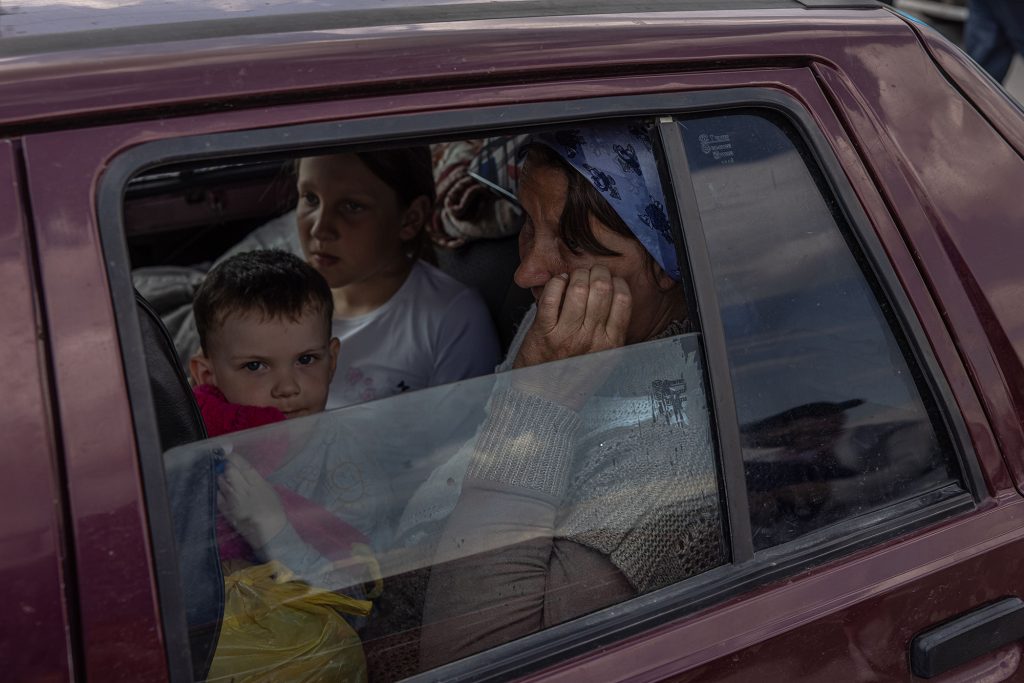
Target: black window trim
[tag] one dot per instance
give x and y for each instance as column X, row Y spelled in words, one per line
column 606, row 626
column 726, row 425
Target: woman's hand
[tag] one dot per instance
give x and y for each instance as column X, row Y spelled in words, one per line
column 578, row 314
column 249, row 502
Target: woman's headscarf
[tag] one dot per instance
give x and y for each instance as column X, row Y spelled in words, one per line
column 618, row 160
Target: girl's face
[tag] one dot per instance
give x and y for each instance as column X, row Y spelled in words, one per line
column 543, row 255
column 351, row 224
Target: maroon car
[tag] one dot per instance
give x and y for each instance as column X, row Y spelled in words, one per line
column 845, row 197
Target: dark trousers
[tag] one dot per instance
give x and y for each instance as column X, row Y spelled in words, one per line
column 994, row 32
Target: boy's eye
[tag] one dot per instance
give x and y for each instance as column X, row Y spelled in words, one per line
column 253, row 366
column 307, row 359
column 353, row 207
column 310, row 199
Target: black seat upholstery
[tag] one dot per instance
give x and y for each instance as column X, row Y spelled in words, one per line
column 191, row 489
column 488, row 266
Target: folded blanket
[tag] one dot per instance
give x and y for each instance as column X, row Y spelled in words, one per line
column 466, row 208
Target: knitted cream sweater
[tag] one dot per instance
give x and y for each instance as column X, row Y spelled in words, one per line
column 632, row 474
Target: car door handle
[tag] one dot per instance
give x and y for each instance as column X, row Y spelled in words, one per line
column 967, row 636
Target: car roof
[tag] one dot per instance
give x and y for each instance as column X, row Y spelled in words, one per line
column 140, row 59
column 43, row 26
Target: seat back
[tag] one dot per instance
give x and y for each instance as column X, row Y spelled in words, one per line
column 191, row 489
column 488, row 266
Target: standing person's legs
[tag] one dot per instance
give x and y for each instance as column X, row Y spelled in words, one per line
column 1010, row 15
column 985, row 39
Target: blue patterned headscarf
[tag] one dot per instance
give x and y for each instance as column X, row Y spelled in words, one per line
column 618, row 160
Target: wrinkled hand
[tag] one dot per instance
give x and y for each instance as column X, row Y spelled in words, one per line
column 249, row 502
column 579, row 314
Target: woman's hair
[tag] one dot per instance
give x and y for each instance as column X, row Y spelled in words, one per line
column 582, row 200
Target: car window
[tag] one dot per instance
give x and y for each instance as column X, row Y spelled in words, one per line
column 377, row 527
column 834, row 416
column 363, row 497
column 368, row 490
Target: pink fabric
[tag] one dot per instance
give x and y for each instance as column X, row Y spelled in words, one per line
column 331, row 537
column 221, row 417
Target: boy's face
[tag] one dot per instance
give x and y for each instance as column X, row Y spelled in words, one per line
column 281, row 363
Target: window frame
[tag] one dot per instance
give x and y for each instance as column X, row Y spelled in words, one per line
column 871, row 254
column 746, row 569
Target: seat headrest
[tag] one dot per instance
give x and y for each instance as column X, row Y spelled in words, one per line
column 191, row 489
column 178, row 418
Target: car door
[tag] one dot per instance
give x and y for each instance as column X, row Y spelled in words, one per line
column 120, row 633
column 853, row 618
column 37, row 629
column 803, row 594
column 862, row 618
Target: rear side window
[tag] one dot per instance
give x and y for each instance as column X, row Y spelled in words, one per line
column 368, row 490
column 324, row 534
column 833, row 419
column 569, row 508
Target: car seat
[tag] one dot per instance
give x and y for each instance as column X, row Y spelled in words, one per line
column 488, row 266
column 191, row 489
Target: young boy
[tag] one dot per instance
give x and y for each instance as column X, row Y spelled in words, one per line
column 266, row 351
column 267, row 355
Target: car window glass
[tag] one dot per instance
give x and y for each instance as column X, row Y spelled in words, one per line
column 341, row 540
column 833, row 413
column 367, row 490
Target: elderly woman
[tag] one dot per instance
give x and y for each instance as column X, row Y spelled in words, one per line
column 565, row 507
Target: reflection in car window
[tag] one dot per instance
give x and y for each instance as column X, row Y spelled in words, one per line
column 832, row 414
column 393, row 470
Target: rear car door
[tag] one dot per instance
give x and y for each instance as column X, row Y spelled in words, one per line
column 811, row 589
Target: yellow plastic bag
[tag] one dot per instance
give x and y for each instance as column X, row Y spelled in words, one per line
column 279, row 629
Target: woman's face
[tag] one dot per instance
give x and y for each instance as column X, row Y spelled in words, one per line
column 543, row 254
column 351, row 224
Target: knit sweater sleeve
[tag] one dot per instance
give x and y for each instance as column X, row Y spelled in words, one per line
column 499, row 568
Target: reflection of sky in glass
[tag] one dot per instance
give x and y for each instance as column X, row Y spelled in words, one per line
column 831, row 420
column 801, row 322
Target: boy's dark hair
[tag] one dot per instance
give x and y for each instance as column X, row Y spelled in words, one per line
column 272, row 282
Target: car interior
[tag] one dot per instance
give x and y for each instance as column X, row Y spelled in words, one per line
column 181, row 220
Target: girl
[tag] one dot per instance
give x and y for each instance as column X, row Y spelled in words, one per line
column 403, row 324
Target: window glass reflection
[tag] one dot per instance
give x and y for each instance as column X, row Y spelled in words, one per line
column 368, row 491
column 832, row 416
